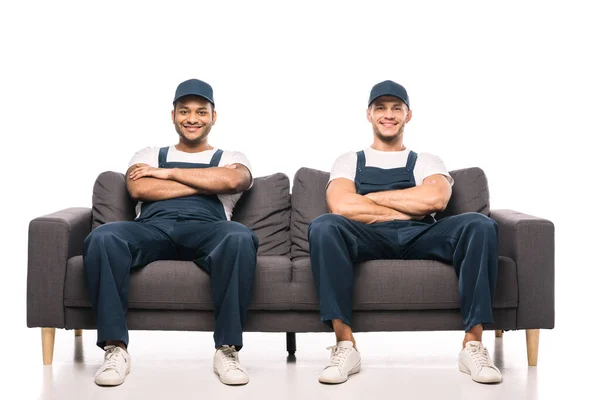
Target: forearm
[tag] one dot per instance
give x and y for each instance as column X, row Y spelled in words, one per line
column 153, row 189
column 215, row 180
column 417, row 201
column 361, row 209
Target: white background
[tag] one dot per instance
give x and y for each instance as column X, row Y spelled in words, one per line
column 510, row 87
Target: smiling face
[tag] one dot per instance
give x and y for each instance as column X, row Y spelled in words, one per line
column 193, row 118
column 388, row 115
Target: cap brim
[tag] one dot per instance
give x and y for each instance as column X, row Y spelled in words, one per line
column 388, row 94
column 193, row 94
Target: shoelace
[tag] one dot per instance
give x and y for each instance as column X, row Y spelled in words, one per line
column 229, row 358
column 481, row 358
column 338, row 356
column 112, row 358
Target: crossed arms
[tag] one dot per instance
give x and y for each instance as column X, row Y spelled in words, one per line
column 406, row 204
column 146, row 183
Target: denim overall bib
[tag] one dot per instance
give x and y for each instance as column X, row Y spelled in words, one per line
column 191, row 228
column 199, row 206
column 373, row 179
column 466, row 241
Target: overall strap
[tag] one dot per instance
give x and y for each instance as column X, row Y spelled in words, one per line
column 412, row 160
column 162, row 156
column 360, row 161
column 216, row 158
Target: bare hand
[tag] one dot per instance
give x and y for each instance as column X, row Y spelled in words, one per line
column 142, row 170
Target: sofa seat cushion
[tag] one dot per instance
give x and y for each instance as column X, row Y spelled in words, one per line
column 403, row 285
column 182, row 285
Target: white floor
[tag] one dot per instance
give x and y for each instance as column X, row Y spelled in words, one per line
column 407, row 365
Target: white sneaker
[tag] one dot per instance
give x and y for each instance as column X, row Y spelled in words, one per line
column 116, row 366
column 475, row 360
column 227, row 366
column 345, row 360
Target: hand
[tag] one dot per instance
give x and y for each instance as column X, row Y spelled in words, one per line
column 143, row 170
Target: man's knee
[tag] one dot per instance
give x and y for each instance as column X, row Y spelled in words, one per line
column 102, row 240
column 324, row 224
column 241, row 234
column 101, row 235
column 480, row 223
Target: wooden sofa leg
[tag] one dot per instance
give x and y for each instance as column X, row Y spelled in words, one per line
column 533, row 341
column 291, row 342
column 48, row 344
column 499, row 333
column 78, row 332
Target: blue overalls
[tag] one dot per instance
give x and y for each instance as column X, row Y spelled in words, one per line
column 190, row 228
column 467, row 241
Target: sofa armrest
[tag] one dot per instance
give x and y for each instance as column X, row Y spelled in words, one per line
column 53, row 239
column 529, row 241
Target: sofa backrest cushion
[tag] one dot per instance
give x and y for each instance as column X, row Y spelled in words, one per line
column 110, row 199
column 308, row 202
column 265, row 208
column 469, row 193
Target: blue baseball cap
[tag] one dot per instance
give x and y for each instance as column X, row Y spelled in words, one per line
column 389, row 88
column 194, row 87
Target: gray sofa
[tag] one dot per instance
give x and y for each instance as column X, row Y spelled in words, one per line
column 390, row 295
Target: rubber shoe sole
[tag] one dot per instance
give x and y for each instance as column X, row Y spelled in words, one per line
column 110, row 382
column 463, row 368
column 354, row 370
column 229, row 383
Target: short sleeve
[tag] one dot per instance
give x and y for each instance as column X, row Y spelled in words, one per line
column 236, row 157
column 430, row 164
column 344, row 167
column 147, row 155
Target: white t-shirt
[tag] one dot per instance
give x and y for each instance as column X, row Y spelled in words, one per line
column 426, row 165
column 149, row 155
